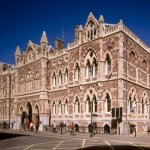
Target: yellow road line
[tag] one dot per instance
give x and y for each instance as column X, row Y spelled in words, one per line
column 57, row 145
column 109, row 145
column 135, row 145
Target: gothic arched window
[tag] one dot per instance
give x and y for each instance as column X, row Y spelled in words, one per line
column 66, row 107
column 88, row 104
column 60, row 78
column 107, row 103
column 77, row 72
column 94, row 104
column 77, row 105
column 54, row 79
column 107, row 65
column 54, row 108
column 60, row 107
column 66, row 76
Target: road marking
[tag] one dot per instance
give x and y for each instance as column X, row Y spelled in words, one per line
column 109, row 145
column 135, row 145
column 32, row 145
column 29, row 147
column 18, row 147
column 58, row 145
column 83, row 143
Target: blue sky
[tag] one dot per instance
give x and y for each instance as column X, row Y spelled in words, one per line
column 24, row 20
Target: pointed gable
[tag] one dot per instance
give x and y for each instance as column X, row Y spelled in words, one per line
column 44, row 38
column 30, row 45
column 91, row 18
column 17, row 52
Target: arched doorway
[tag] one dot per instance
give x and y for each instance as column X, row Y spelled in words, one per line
column 37, row 117
column 107, row 129
column 29, row 112
column 76, row 128
column 90, row 128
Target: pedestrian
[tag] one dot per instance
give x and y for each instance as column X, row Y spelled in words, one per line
column 72, row 129
column 37, row 127
column 61, row 127
column 65, row 127
column 31, row 126
column 135, row 130
column 54, row 127
column 12, row 125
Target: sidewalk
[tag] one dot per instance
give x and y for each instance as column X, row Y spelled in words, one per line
column 67, row 134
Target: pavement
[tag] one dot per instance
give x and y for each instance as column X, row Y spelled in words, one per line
column 46, row 140
column 77, row 134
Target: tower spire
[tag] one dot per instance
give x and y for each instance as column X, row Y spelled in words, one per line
column 17, row 52
column 44, row 39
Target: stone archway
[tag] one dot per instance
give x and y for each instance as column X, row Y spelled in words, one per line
column 36, row 115
column 76, row 127
column 29, row 111
column 107, row 129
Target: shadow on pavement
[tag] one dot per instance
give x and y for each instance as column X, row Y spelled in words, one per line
column 116, row 147
column 4, row 136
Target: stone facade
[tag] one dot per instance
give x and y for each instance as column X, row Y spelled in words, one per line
column 107, row 66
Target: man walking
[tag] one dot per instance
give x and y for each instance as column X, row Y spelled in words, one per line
column 61, row 127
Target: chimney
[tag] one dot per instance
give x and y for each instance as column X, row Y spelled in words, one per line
column 59, row 44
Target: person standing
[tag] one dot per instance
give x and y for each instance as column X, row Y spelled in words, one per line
column 54, row 127
column 31, row 127
column 37, row 127
column 61, row 127
column 72, row 129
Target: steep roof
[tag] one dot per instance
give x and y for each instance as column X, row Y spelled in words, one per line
column 17, row 52
column 44, row 38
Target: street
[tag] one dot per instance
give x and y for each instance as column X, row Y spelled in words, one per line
column 26, row 140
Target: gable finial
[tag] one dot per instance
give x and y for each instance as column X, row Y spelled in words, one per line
column 101, row 18
column 44, row 38
column 18, row 52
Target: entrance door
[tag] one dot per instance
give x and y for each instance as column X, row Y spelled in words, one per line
column 107, row 129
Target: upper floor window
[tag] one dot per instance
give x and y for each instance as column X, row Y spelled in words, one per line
column 60, row 107
column 77, row 72
column 107, row 103
column 77, row 105
column 91, row 103
column 94, row 103
column 66, row 76
column 66, row 107
column 91, row 65
column 54, row 79
column 91, row 31
column 54, row 108
column 60, row 78
column 88, row 104
column 107, row 65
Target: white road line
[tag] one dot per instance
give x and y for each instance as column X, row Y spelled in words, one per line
column 28, row 147
column 109, row 145
column 135, row 145
column 83, row 143
column 17, row 147
column 57, row 145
